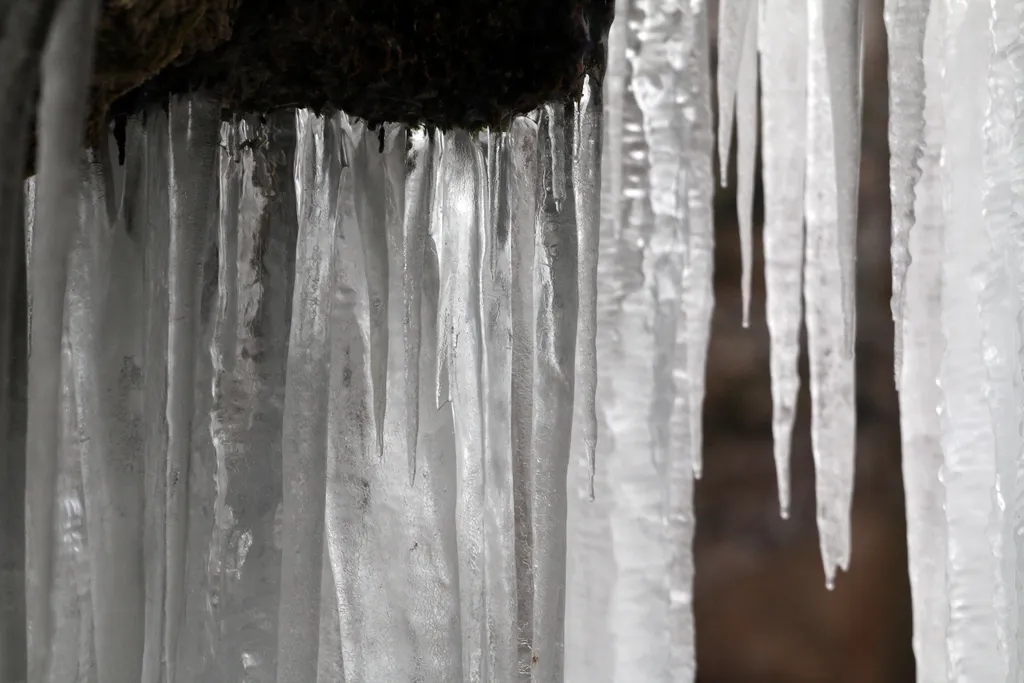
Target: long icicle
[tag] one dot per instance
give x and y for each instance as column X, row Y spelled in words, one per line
column 555, row 302
column 305, row 411
column 588, row 138
column 66, row 70
column 782, row 40
column 833, row 415
column 919, row 393
column 905, row 22
column 698, row 276
column 419, row 190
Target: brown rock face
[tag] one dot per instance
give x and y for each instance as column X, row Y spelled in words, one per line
column 763, row 614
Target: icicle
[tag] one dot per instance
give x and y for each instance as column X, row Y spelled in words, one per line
column 587, row 184
column 555, row 305
column 371, row 210
column 249, row 350
column 833, row 404
column 415, row 228
column 305, row 411
column 905, row 27
column 446, row 253
column 734, row 17
column 842, row 44
column 968, row 444
column 148, row 217
column 194, row 132
column 698, row 290
column 498, row 468
column 521, row 188
column 782, row 40
column 737, row 86
column 919, row 395
column 67, row 64
column 1000, row 310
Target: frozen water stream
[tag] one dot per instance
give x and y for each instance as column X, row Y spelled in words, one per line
column 325, row 403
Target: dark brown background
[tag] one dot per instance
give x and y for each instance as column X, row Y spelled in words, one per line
column 763, row 614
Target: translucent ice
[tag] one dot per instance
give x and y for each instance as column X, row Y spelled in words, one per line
column 784, row 149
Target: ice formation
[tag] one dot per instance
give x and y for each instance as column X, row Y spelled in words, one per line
column 311, row 401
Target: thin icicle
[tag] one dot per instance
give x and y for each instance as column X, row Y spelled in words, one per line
column 419, row 190
column 782, row 40
column 587, row 184
column 698, row 276
column 555, row 304
column 447, row 252
column 833, row 406
column 905, row 22
column 919, row 395
column 734, row 19
column 521, row 179
column 67, row 65
column 371, row 188
column 746, row 153
column 305, row 410
column 841, row 24
column 737, row 92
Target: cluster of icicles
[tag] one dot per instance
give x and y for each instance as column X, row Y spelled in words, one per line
column 339, row 404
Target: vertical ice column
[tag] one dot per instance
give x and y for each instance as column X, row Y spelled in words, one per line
column 905, row 22
column 973, row 513
column 827, row 270
column 555, row 304
column 67, row 63
column 305, row 409
column 782, row 40
column 921, row 321
column 1001, row 306
column 737, row 96
column 251, row 319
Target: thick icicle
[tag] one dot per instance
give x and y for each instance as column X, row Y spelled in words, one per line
column 371, row 191
column 194, row 135
column 737, row 87
column 968, row 441
column 420, row 167
column 305, row 410
column 521, row 188
column 1001, row 310
column 698, row 276
column 555, row 306
column 445, row 253
column 66, row 68
column 782, row 41
column 905, row 27
column 500, row 580
column 833, row 405
column 919, row 396
column 841, row 25
column 587, row 184
column 464, row 224
column 249, row 349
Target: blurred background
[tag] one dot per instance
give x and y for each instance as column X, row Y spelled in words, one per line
column 763, row 614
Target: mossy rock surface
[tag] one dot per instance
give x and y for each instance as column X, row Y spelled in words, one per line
column 442, row 63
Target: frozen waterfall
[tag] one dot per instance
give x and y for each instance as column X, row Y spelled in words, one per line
column 321, row 402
